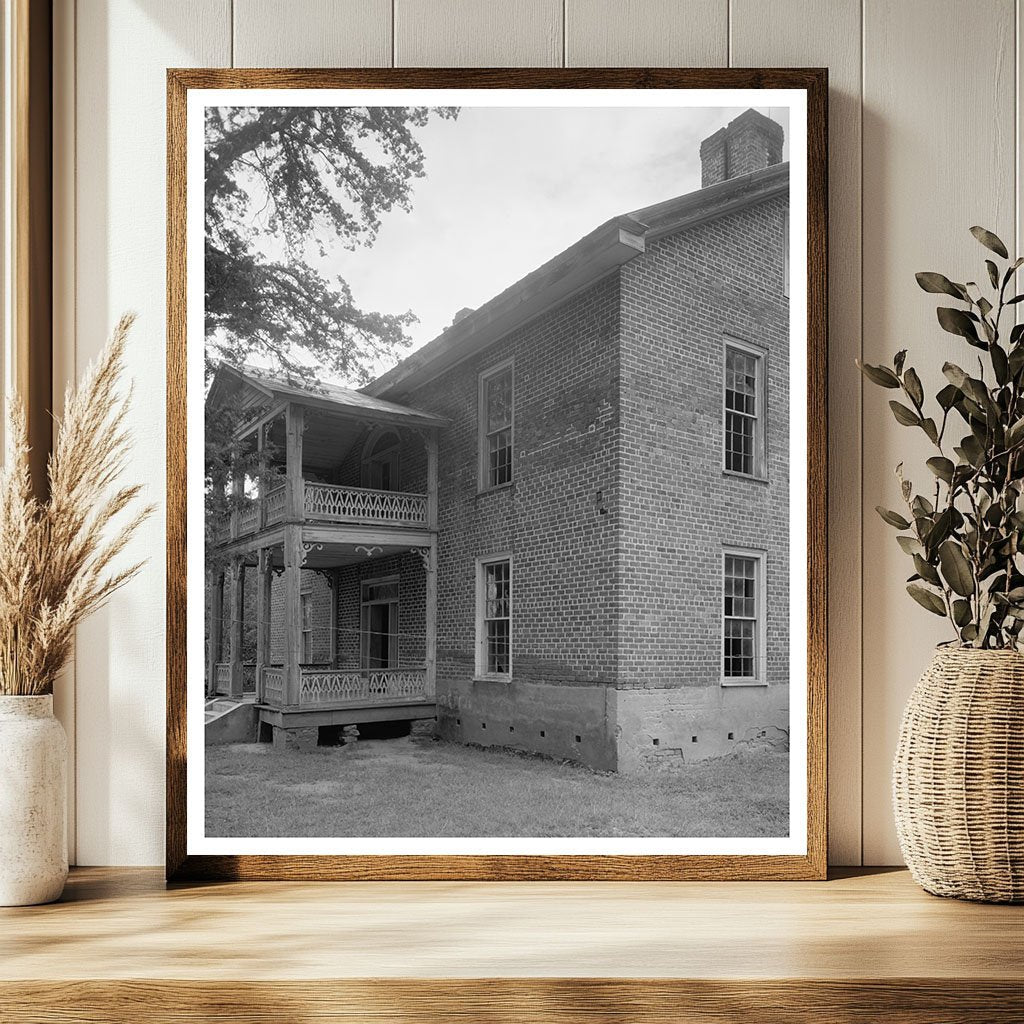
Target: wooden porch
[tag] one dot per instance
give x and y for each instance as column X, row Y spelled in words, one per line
column 307, row 512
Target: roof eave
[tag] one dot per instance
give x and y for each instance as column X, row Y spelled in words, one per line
column 612, row 244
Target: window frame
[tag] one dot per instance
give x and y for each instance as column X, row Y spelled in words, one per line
column 483, row 452
column 760, row 557
column 760, row 354
column 480, row 645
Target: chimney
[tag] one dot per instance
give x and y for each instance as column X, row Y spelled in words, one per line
column 747, row 143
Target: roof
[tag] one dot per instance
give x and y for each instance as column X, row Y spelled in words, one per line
column 326, row 396
column 608, row 247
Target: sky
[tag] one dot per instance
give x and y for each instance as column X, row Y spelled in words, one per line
column 505, row 189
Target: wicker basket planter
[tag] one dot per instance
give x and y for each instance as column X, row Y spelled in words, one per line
column 958, row 776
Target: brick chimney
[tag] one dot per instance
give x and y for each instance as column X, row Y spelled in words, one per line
column 747, row 143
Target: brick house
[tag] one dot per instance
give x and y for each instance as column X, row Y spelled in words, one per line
column 589, row 554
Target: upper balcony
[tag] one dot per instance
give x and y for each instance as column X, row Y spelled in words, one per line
column 326, row 456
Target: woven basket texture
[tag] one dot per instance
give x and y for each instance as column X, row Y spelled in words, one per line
column 958, row 776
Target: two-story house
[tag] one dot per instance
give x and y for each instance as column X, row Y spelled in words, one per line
column 562, row 526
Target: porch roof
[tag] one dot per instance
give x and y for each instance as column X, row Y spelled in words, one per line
column 332, row 397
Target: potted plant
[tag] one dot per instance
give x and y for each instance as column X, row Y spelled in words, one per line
column 958, row 778
column 56, row 566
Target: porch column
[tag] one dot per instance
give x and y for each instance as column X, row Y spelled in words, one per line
column 261, row 483
column 216, row 625
column 236, row 609
column 292, row 612
column 237, row 490
column 263, row 584
column 431, row 617
column 431, row 445
column 294, row 497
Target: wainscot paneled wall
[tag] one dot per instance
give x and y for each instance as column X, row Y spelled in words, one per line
column 925, row 141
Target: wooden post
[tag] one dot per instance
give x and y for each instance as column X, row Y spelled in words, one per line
column 292, row 612
column 216, row 606
column 263, row 585
column 261, row 481
column 431, row 443
column 295, row 497
column 236, row 610
column 237, row 490
column 431, row 617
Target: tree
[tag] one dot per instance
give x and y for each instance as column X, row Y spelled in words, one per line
column 314, row 176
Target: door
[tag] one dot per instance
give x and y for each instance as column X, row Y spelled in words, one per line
column 379, row 624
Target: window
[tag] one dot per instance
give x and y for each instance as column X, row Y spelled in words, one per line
column 379, row 623
column 307, row 628
column 496, row 427
column 744, row 411
column 380, row 461
column 743, row 621
column 494, row 616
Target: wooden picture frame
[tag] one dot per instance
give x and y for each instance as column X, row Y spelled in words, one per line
column 810, row 864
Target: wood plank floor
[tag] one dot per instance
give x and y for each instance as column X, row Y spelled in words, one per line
column 861, row 947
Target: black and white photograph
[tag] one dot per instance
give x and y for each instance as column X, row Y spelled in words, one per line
column 502, row 506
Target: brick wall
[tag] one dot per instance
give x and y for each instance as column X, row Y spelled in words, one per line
column 558, row 516
column 411, row 607
column 680, row 301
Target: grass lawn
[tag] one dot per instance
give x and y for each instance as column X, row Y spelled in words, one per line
column 419, row 786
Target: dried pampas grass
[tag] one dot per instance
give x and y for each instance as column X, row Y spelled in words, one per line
column 56, row 556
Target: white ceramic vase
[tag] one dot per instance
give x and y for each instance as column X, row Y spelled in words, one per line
column 33, row 802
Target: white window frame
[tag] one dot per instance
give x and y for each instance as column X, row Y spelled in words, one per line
column 483, row 453
column 760, row 557
column 481, row 631
column 760, row 412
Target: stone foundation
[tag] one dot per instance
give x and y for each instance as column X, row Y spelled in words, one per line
column 574, row 723
column 667, row 727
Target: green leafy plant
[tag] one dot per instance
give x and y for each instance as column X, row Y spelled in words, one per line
column 965, row 534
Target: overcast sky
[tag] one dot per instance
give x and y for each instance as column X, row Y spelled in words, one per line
column 505, row 189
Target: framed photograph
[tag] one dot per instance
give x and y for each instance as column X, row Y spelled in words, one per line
column 496, row 474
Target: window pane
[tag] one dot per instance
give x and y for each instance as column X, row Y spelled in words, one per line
column 499, row 457
column 499, row 400
column 741, row 424
column 740, row 607
column 497, row 612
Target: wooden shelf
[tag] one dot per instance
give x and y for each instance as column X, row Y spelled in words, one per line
column 869, row 946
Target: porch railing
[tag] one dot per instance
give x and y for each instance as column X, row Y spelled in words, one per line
column 249, row 519
column 374, row 686
column 273, row 685
column 222, row 676
column 275, row 504
column 333, row 503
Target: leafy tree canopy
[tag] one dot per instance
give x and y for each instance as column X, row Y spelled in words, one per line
column 313, row 177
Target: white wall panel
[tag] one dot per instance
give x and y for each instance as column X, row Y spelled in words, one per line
column 478, row 33
column 939, row 156
column 646, row 33
column 122, row 51
column 790, row 33
column 312, row 33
